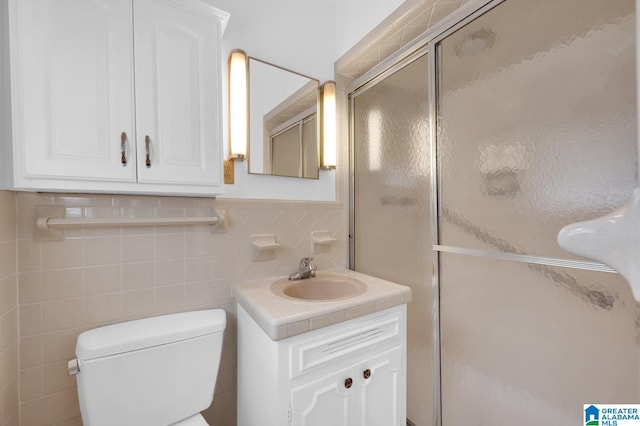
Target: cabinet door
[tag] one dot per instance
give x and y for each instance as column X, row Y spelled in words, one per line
column 323, row 402
column 72, row 88
column 178, row 94
column 381, row 394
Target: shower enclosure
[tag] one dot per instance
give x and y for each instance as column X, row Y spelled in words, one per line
column 471, row 149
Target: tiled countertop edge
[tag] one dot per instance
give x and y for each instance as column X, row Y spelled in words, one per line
column 270, row 311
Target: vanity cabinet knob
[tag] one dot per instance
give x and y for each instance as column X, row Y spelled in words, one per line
column 348, row 383
column 366, row 373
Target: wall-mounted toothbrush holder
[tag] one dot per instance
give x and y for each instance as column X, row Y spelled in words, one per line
column 264, row 247
column 321, row 241
column 264, row 242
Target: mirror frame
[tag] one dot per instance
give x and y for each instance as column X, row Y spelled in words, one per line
column 263, row 137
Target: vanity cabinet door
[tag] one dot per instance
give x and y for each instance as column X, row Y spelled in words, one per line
column 327, row 401
column 72, row 89
column 369, row 393
column 178, row 93
column 380, row 390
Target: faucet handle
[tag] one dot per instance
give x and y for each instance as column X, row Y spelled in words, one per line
column 305, row 270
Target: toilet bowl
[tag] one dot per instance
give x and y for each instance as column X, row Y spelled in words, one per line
column 156, row 371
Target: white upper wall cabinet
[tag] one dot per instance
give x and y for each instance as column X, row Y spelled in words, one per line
column 72, row 89
column 118, row 96
column 177, row 59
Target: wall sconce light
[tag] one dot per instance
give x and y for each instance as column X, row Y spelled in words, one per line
column 328, row 127
column 238, row 105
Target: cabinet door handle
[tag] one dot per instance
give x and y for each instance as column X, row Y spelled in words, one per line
column 348, row 383
column 366, row 373
column 123, row 149
column 147, row 143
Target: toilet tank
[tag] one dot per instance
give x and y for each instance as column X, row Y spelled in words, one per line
column 154, row 371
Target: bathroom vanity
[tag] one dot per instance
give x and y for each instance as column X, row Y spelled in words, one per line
column 322, row 362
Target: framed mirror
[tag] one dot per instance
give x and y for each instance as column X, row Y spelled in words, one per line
column 283, row 121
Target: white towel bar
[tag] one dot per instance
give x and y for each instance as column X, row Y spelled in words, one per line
column 46, row 223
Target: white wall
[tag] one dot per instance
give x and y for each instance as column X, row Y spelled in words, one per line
column 306, row 36
column 296, row 34
column 6, row 160
column 299, row 35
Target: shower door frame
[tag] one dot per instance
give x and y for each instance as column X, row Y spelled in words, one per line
column 427, row 44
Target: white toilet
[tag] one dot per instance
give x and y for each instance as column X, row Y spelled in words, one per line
column 152, row 372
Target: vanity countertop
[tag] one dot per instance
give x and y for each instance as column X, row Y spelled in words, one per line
column 281, row 318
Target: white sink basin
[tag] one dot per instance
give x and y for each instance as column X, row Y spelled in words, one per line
column 320, row 288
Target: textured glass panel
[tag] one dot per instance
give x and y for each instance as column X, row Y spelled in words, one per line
column 392, row 216
column 528, row 344
column 536, row 122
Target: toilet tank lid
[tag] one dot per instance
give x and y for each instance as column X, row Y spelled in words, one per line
column 145, row 333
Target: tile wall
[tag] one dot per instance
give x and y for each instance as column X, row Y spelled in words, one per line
column 104, row 275
column 8, row 311
column 400, row 28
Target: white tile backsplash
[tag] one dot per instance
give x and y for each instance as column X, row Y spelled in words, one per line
column 9, row 374
column 98, row 276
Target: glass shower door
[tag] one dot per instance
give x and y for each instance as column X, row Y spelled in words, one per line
column 535, row 109
column 536, row 129
column 392, row 233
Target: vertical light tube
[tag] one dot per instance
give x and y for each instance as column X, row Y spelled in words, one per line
column 329, row 131
column 238, row 105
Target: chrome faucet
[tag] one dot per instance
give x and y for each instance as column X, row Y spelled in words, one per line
column 305, row 270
